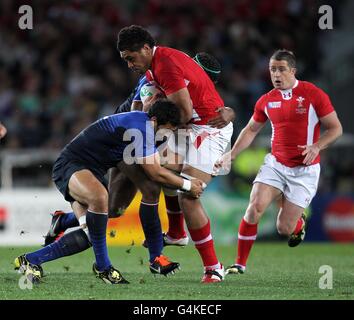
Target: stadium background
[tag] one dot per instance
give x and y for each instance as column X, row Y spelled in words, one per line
column 66, row 72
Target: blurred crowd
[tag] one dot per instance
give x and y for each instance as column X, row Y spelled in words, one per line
column 66, row 72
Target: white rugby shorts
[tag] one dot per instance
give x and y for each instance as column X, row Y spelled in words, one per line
column 298, row 184
column 202, row 146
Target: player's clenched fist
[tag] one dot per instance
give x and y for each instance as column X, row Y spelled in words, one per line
column 197, row 187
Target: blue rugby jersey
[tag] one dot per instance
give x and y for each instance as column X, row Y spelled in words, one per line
column 101, row 145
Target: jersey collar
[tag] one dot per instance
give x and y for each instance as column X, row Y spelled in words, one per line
column 288, row 94
column 154, row 50
column 153, row 55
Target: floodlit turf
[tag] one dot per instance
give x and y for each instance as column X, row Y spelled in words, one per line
column 274, row 272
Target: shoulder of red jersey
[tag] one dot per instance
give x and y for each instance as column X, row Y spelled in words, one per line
column 269, row 95
column 309, row 86
column 165, row 58
column 319, row 99
column 164, row 54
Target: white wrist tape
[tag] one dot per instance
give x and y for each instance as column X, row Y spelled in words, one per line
column 82, row 220
column 187, row 185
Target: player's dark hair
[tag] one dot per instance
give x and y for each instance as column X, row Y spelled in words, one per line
column 165, row 112
column 133, row 38
column 286, row 55
column 210, row 65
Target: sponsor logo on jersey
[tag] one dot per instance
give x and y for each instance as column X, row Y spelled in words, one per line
column 287, row 94
column 274, row 105
column 300, row 109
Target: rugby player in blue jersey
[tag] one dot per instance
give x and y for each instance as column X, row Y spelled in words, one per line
column 79, row 175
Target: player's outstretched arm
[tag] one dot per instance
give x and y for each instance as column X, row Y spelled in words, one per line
column 152, row 168
column 246, row 137
column 242, row 142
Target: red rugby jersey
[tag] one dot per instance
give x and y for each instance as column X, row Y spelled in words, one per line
column 172, row 70
column 294, row 115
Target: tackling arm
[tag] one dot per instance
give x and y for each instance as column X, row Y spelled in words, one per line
column 153, row 169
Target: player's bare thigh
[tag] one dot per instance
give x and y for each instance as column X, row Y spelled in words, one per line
column 288, row 216
column 261, row 197
column 192, row 208
column 196, row 173
column 85, row 188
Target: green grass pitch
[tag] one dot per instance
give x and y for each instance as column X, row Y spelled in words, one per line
column 274, row 272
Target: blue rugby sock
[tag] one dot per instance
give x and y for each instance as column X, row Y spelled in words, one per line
column 69, row 244
column 68, row 220
column 97, row 226
column 151, row 224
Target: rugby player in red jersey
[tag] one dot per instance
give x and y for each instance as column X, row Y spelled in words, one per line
column 185, row 83
column 295, row 109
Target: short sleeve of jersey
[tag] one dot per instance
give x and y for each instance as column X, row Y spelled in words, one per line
column 144, row 139
column 126, row 105
column 134, row 96
column 259, row 115
column 322, row 103
column 142, row 81
column 170, row 76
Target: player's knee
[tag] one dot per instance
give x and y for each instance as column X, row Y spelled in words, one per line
column 98, row 202
column 150, row 191
column 187, row 203
column 284, row 229
column 254, row 211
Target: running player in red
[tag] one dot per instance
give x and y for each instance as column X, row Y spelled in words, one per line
column 185, row 83
column 295, row 109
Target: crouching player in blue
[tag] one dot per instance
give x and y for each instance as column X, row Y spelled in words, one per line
column 79, row 175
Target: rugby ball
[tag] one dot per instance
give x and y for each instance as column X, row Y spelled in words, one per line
column 147, row 90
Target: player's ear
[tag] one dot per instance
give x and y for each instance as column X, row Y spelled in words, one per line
column 293, row 70
column 146, row 48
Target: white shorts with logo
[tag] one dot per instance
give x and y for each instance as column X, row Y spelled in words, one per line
column 203, row 146
column 298, row 184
